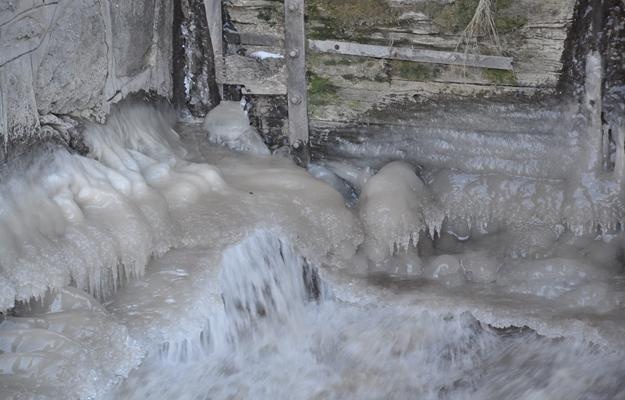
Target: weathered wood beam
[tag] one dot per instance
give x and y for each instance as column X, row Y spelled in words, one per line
column 295, row 49
column 410, row 54
column 213, row 16
column 266, row 77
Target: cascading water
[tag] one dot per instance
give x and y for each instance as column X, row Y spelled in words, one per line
column 270, row 341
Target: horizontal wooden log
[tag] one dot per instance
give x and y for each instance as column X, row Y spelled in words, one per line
column 266, row 77
column 410, row 54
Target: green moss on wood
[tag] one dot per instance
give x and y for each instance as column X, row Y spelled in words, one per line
column 269, row 15
column 321, row 91
column 350, row 19
column 315, row 59
column 412, row 71
column 382, row 78
column 340, row 60
column 506, row 24
column 454, row 17
column 499, row 76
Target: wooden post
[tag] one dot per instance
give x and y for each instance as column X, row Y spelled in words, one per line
column 295, row 48
column 215, row 26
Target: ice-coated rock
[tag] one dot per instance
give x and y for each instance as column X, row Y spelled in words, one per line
column 228, row 124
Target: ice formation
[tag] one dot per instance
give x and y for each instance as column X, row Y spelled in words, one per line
column 263, row 55
column 228, row 124
column 64, row 346
column 95, row 221
column 164, row 266
column 395, row 206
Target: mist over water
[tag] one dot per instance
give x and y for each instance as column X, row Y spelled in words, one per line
column 161, row 266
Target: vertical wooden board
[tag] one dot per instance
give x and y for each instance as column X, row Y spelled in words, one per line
column 215, row 24
column 295, row 49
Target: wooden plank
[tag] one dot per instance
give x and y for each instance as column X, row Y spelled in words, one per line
column 266, row 77
column 260, row 39
column 410, row 54
column 215, row 26
column 295, row 49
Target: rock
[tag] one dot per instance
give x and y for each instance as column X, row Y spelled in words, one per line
column 132, row 24
column 17, row 106
column 73, row 67
column 76, row 58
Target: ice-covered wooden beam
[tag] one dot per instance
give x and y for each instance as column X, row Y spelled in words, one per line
column 410, row 54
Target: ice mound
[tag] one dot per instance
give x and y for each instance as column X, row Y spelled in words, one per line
column 64, row 346
column 228, row 125
column 96, row 220
column 394, row 206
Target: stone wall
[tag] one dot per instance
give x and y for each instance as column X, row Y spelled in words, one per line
column 65, row 61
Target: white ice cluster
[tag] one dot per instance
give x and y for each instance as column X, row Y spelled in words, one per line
column 94, row 221
column 228, row 125
column 395, row 206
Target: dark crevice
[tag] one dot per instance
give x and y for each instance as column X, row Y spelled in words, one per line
column 195, row 88
column 597, row 26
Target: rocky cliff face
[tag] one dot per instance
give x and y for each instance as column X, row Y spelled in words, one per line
column 63, row 61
